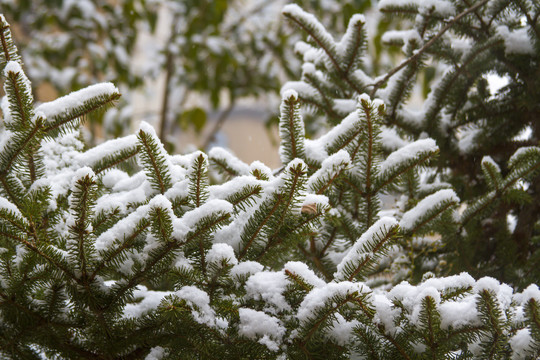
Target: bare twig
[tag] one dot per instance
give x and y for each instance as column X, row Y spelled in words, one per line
column 219, row 123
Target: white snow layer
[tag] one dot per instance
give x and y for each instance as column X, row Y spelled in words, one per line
column 318, row 297
column 245, row 269
column 329, row 167
column 156, row 353
column 407, row 153
column 269, row 286
column 516, row 41
column 148, row 301
column 489, row 160
column 76, row 99
column 232, row 161
column 300, row 269
column 221, row 252
column 362, row 247
column 411, row 218
column 521, row 344
column 191, row 218
column 297, row 12
column 257, row 324
column 97, row 153
column 9, row 206
column 128, row 225
column 442, row 7
column 522, row 153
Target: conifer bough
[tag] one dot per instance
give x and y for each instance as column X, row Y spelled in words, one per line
column 102, row 257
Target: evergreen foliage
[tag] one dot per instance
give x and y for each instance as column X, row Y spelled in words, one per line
column 154, row 260
column 453, row 47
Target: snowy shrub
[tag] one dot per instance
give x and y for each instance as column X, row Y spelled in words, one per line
column 125, row 251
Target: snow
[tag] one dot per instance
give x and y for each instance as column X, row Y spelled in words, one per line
column 296, row 11
column 390, row 139
column 130, row 190
column 487, row 283
column 12, row 67
column 230, row 234
column 351, row 122
column 408, row 153
column 344, row 106
column 302, row 47
column 97, row 153
column 384, row 312
column 80, row 174
column 122, row 228
column 392, row 36
column 277, row 183
column 149, row 300
column 363, row 247
column 411, row 218
column 342, row 331
column 467, row 138
column 5, row 138
column 156, row 353
column 15, row 68
column 288, row 94
column 329, row 167
column 261, row 168
column 319, row 297
column 178, row 190
column 346, row 39
column 531, row 292
column 254, row 324
column 76, row 99
column 149, row 130
column 458, row 314
column 521, row 344
column 4, row 106
column 113, row 177
column 402, row 37
column 307, row 69
column 220, row 252
column 191, row 218
column 496, row 83
column 516, row 41
column 522, row 153
column 489, row 160
column 200, row 304
column 441, row 7
column 315, row 150
column 364, row 98
column 246, row 268
column 232, row 186
column 503, row 292
column 269, row 286
column 9, row 206
column 232, row 161
column 302, row 88
column 302, row 270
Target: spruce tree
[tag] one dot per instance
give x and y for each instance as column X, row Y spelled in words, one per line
column 125, row 251
column 453, row 46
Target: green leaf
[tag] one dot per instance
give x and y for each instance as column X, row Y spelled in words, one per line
column 195, row 117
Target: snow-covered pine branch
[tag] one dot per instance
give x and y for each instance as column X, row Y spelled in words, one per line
column 125, row 251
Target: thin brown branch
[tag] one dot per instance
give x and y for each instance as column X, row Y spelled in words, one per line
column 218, row 125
